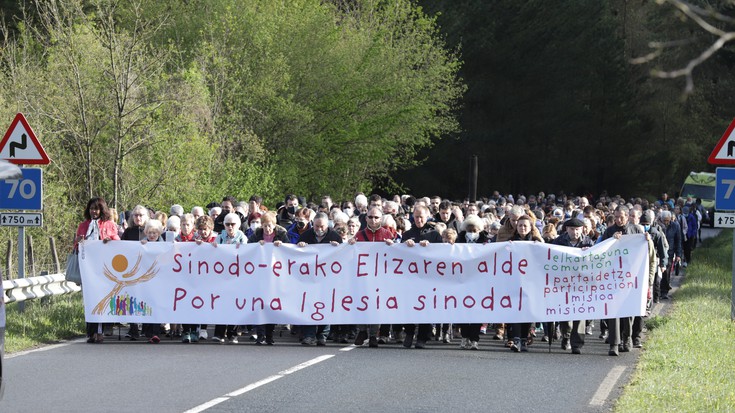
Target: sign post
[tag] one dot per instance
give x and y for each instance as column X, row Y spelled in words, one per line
column 724, row 154
column 21, row 146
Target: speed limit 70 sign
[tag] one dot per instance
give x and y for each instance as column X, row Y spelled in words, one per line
column 22, row 193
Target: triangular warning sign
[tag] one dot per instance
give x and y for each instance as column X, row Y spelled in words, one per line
column 724, row 153
column 20, row 145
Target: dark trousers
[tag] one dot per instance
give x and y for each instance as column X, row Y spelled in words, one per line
column 619, row 330
column 470, row 331
column 265, row 330
column 637, row 327
column 519, row 330
column 424, row 333
column 225, row 331
column 151, row 329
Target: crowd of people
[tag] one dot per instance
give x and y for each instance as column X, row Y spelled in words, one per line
column 672, row 228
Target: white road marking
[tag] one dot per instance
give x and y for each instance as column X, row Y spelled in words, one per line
column 207, row 405
column 204, row 406
column 607, row 385
column 348, row 348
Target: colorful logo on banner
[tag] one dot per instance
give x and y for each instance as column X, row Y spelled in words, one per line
column 124, row 304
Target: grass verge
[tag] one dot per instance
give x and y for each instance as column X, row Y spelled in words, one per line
column 44, row 322
column 687, row 365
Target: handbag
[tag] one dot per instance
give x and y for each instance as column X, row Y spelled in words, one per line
column 72, row 269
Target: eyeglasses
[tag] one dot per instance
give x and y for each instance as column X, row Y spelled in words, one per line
column 373, row 217
column 230, row 224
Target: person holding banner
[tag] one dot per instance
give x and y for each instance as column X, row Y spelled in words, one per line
column 373, row 232
column 423, row 235
column 97, row 225
column 319, row 233
column 619, row 329
column 572, row 332
column 231, row 235
column 269, row 232
column 473, row 232
column 525, row 231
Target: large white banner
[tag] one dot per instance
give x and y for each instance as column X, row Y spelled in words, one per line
column 366, row 283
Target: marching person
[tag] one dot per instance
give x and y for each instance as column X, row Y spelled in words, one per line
column 572, row 332
column 423, row 235
column 619, row 329
column 97, row 225
column 473, row 232
column 373, row 232
column 319, row 233
column 268, row 232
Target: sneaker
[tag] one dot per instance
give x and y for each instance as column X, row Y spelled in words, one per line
column 602, row 336
column 361, row 337
column 193, row 337
column 408, row 341
column 383, row 340
column 446, row 339
column 576, row 350
column 565, row 344
column 203, row 334
column 483, row 330
column 218, row 340
column 588, row 330
column 154, row 340
column 420, row 344
column 269, row 341
column 474, row 345
column 515, row 345
column 373, row 342
column 464, row 344
column 308, row 341
column 186, row 338
column 321, row 341
column 233, row 340
column 637, row 343
column 260, row 341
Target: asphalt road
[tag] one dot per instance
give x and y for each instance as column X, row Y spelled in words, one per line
column 212, row 377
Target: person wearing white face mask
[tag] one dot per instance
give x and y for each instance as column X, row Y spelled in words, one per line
column 253, row 224
column 473, row 232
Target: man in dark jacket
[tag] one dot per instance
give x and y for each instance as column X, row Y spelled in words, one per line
column 319, row 233
column 619, row 329
column 572, row 332
column 423, row 235
column 228, row 206
column 446, row 216
column 672, row 230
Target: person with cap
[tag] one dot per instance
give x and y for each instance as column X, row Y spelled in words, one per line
column 572, row 332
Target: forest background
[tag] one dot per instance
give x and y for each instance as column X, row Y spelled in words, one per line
column 185, row 101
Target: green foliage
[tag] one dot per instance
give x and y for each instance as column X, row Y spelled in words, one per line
column 687, row 363
column 187, row 101
column 44, row 322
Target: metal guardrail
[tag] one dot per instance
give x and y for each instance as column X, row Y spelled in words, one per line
column 23, row 289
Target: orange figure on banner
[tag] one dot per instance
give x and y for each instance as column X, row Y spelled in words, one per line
column 120, row 265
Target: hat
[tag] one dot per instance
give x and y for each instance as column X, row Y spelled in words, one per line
column 645, row 219
column 574, row 223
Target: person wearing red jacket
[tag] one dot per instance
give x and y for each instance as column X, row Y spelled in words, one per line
column 373, row 232
column 97, row 225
